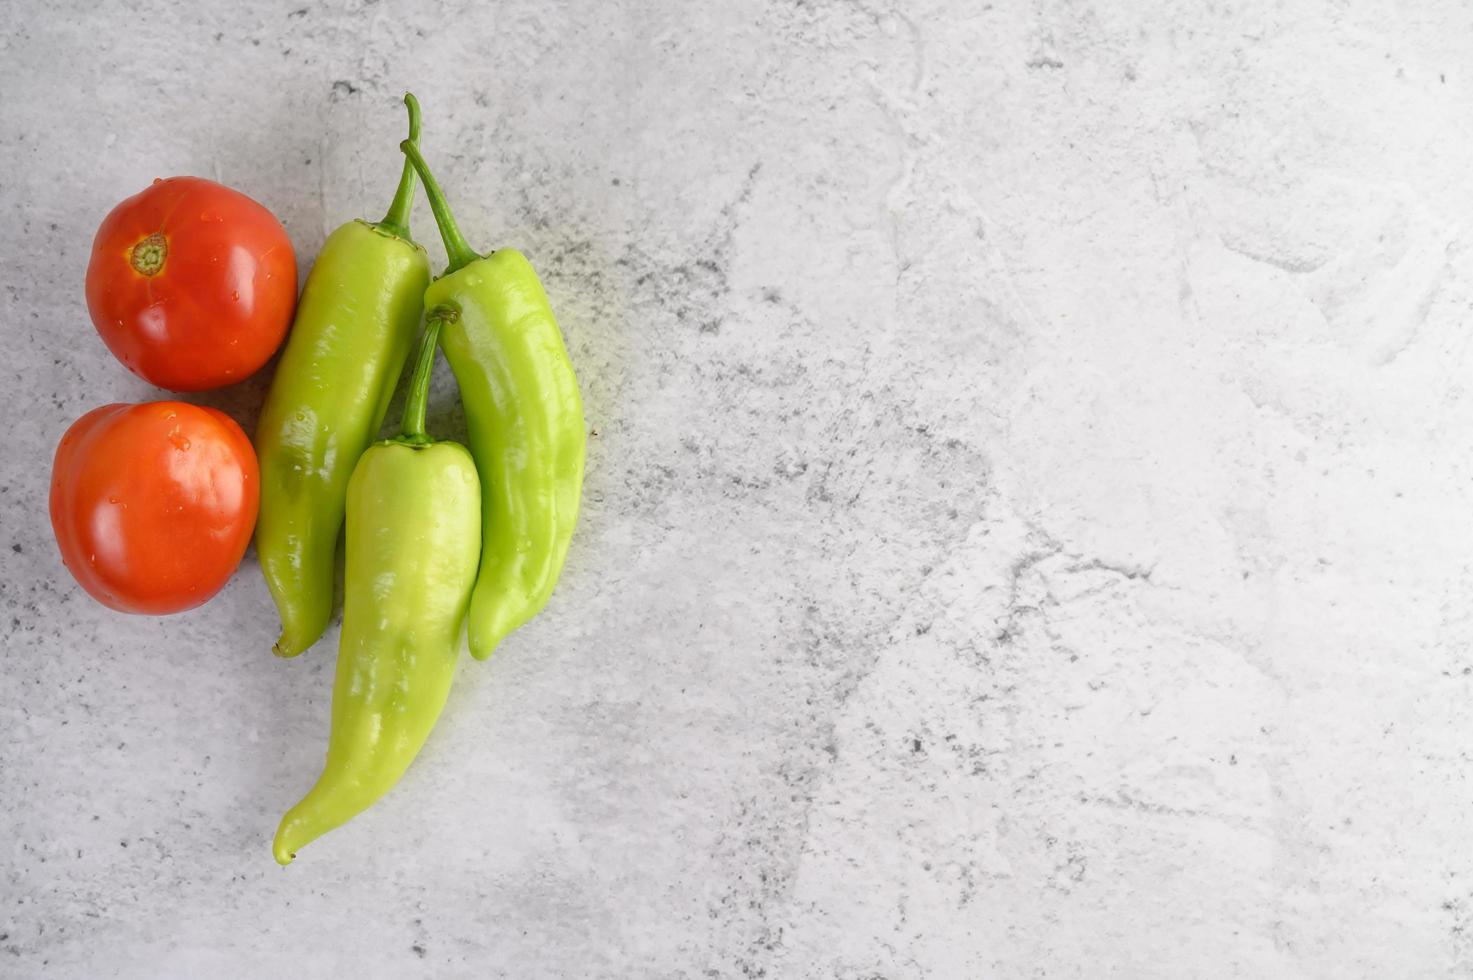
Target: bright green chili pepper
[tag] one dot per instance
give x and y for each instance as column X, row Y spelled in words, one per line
column 354, row 326
column 524, row 417
column 413, row 542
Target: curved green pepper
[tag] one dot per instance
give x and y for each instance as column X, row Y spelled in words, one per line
column 353, row 329
column 413, row 542
column 524, row 417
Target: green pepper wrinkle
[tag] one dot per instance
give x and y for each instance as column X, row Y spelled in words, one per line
column 413, row 543
column 354, row 326
column 524, row 419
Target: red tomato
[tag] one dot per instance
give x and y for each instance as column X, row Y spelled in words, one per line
column 153, row 505
column 191, row 284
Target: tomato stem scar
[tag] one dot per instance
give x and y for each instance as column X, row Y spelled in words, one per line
column 147, row 257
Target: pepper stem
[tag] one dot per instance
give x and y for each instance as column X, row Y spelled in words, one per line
column 396, row 222
column 412, row 429
column 459, row 253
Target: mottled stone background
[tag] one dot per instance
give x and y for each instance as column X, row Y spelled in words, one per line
column 1026, row 530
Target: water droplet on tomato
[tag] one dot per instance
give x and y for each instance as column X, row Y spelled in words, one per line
column 112, row 500
column 235, row 295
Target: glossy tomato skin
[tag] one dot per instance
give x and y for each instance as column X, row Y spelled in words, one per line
column 153, row 505
column 191, row 284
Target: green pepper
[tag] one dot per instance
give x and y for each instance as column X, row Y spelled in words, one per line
column 524, row 419
column 413, row 542
column 353, row 330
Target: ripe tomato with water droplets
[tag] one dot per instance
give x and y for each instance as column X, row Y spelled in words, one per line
column 191, row 284
column 153, row 505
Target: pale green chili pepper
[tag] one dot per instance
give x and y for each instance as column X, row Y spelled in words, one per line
column 354, row 327
column 413, row 542
column 524, row 417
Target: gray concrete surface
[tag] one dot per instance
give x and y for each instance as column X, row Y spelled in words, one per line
column 1026, row 530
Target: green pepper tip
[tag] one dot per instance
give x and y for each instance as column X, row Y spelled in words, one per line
column 456, row 249
column 396, row 222
column 412, row 429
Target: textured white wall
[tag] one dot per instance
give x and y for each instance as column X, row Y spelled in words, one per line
column 1025, row 536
